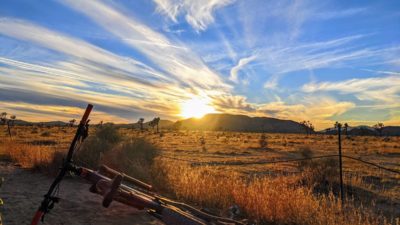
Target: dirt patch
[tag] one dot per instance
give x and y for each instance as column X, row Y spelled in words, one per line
column 22, row 193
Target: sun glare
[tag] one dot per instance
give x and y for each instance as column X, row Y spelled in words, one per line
column 196, row 107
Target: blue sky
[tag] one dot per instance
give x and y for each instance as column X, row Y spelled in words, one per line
column 321, row 61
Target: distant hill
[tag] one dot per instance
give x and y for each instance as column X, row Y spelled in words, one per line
column 241, row 123
column 391, row 131
column 366, row 131
column 50, row 123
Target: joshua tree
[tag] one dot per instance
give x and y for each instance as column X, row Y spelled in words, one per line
column 3, row 117
column 346, row 127
column 72, row 122
column 140, row 122
column 338, row 125
column 12, row 120
column 308, row 126
column 154, row 123
column 379, row 128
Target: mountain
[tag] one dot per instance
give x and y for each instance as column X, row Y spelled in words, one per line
column 228, row 122
column 391, row 131
column 366, row 131
column 50, row 123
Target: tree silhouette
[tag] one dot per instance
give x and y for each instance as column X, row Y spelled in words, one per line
column 337, row 125
column 379, row 128
column 346, row 127
column 3, row 117
column 72, row 122
column 12, row 120
column 308, row 126
column 140, row 122
column 154, row 123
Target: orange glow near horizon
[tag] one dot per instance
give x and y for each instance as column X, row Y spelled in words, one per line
column 196, row 107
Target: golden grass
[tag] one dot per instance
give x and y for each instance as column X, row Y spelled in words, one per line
column 273, row 194
column 27, row 156
column 268, row 200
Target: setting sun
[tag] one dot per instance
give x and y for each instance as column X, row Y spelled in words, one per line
column 196, row 107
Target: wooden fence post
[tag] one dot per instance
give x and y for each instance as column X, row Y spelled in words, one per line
column 339, row 127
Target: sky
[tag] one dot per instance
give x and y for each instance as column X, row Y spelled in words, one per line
column 322, row 61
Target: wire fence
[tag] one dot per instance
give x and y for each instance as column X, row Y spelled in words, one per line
column 238, row 163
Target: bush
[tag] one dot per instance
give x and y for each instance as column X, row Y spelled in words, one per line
column 134, row 157
column 263, row 141
column 46, row 134
column 108, row 133
column 104, row 139
column 52, row 165
column 319, row 173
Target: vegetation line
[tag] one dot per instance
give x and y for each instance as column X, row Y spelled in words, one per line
column 280, row 161
column 372, row 164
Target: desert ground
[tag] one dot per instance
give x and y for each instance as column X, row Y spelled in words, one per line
column 211, row 170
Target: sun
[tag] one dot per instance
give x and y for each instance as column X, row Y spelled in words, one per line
column 196, row 107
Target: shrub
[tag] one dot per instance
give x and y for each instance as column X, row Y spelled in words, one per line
column 45, row 134
column 104, row 139
column 35, row 130
column 134, row 157
column 108, row 133
column 50, row 166
column 319, row 173
column 263, row 141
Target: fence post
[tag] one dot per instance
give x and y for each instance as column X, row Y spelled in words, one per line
column 8, row 128
column 339, row 127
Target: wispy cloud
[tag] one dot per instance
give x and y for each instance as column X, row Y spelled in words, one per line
column 234, row 76
column 199, row 14
column 380, row 89
column 180, row 63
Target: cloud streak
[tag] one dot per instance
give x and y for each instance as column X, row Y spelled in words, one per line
column 199, row 14
column 234, row 76
column 379, row 89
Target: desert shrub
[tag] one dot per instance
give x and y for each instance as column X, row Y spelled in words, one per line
column 133, row 157
column 108, row 133
column 203, row 144
column 306, row 152
column 92, row 150
column 320, row 173
column 34, row 130
column 45, row 134
column 52, row 165
column 263, row 141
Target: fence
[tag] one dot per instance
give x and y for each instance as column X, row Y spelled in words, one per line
column 339, row 156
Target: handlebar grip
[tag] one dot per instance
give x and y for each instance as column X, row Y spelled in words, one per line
column 86, row 114
column 37, row 217
column 108, row 172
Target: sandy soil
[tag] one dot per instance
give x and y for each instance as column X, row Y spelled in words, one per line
column 22, row 193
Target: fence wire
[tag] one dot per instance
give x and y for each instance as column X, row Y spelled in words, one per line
column 237, row 163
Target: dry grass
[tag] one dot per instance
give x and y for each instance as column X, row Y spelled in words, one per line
column 278, row 194
column 266, row 200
